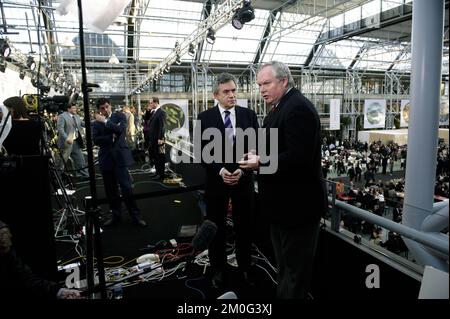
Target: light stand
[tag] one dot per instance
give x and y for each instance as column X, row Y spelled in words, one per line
column 93, row 240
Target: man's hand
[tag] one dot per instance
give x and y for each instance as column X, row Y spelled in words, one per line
column 100, row 118
column 228, row 178
column 249, row 161
column 238, row 174
column 160, row 142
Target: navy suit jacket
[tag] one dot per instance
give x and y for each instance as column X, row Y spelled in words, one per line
column 156, row 126
column 245, row 118
column 110, row 137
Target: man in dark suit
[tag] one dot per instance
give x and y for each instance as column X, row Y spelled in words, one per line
column 156, row 138
column 294, row 197
column 145, row 124
column 114, row 157
column 224, row 179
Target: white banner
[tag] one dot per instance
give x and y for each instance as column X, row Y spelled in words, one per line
column 374, row 113
column 177, row 117
column 405, row 111
column 335, row 114
column 443, row 111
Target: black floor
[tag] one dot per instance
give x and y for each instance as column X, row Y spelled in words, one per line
column 165, row 215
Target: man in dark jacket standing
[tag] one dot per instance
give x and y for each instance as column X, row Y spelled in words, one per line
column 294, row 197
column 114, row 157
column 225, row 180
column 156, row 131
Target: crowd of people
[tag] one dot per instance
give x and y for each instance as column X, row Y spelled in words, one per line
column 362, row 160
column 381, row 197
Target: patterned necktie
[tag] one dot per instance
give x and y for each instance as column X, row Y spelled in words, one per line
column 229, row 127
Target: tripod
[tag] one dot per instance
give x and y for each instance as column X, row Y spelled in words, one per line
column 61, row 194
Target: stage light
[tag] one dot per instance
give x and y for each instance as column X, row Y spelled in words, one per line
column 3, row 66
column 210, row 37
column 22, row 74
column 178, row 60
column 30, row 63
column 34, row 82
column 5, row 48
column 191, row 49
column 243, row 15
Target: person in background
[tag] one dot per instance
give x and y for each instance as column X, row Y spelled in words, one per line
column 156, row 138
column 131, row 128
column 70, row 141
column 25, row 135
column 146, row 122
column 114, row 158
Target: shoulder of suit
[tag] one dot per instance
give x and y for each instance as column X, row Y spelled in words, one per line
column 119, row 114
column 244, row 109
column 208, row 111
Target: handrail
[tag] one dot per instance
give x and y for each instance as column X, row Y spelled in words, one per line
column 421, row 237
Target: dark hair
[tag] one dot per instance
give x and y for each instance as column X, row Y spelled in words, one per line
column 102, row 101
column 69, row 105
column 18, row 107
column 221, row 79
column 155, row 99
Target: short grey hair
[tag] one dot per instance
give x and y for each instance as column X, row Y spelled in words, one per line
column 221, row 79
column 280, row 71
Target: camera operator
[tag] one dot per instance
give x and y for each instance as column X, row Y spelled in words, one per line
column 18, row 281
column 25, row 134
column 70, row 141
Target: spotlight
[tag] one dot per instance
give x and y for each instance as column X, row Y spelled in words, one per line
column 178, row 60
column 243, row 15
column 34, row 82
column 5, row 48
column 30, row 63
column 210, row 37
column 191, row 49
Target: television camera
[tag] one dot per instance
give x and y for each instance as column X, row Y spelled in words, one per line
column 51, row 104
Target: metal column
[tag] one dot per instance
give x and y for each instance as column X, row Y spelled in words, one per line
column 427, row 37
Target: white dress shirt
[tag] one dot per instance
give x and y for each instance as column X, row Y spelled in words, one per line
column 232, row 116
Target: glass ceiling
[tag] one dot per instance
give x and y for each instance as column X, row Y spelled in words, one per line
column 168, row 21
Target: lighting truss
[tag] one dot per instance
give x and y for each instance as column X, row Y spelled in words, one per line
column 216, row 20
